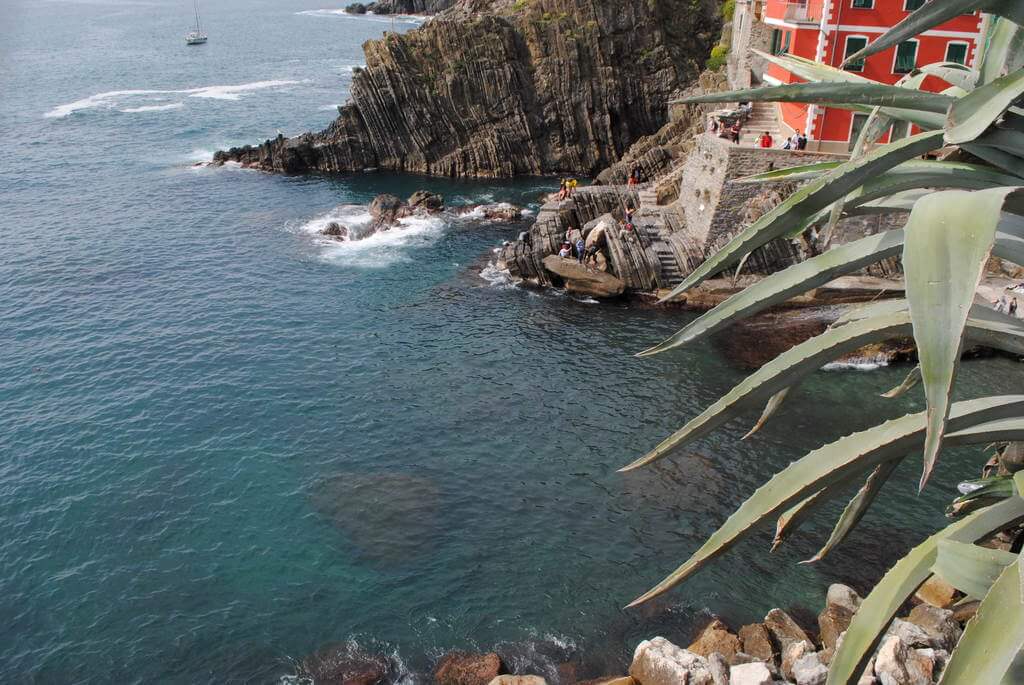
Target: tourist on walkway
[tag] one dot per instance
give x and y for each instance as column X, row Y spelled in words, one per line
column 1013, row 307
column 794, row 142
column 801, row 141
column 1003, row 304
column 766, row 140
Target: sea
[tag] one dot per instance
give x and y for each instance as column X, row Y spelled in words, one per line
column 228, row 442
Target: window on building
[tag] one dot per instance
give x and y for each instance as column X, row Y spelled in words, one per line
column 906, row 57
column 864, row 4
column 854, row 44
column 957, row 52
column 859, row 120
column 912, row 5
column 900, row 130
column 776, row 41
column 786, row 42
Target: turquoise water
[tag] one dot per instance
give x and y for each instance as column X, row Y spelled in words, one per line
column 225, row 443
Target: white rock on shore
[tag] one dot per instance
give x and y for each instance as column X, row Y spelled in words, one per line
column 659, row 662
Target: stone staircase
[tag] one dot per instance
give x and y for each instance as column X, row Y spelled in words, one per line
column 764, row 117
column 654, row 234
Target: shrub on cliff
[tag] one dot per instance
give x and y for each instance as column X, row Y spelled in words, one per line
column 728, row 9
column 719, row 54
column 962, row 210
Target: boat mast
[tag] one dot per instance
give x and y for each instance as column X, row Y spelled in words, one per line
column 196, row 2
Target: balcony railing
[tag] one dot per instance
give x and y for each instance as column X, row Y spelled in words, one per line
column 801, row 12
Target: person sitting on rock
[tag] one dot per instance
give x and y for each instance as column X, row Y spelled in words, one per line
column 566, row 251
column 766, row 140
column 572, row 186
column 563, row 189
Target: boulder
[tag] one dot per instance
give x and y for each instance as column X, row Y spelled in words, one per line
column 910, row 634
column 335, row 230
column 750, row 674
column 659, row 662
column 898, row 664
column 808, row 670
column 386, row 210
column 426, row 200
column 756, row 641
column 344, row 664
column 719, row 668
column 716, row 637
column 841, row 603
column 793, row 652
column 937, row 592
column 356, row 8
column 583, row 280
column 610, row 680
column 500, row 211
column 965, row 611
column 939, row 624
column 518, row 680
column 783, row 630
column 460, row 668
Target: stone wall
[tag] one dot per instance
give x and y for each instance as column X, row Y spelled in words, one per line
column 744, row 67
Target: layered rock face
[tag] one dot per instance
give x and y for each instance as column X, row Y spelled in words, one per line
column 496, row 88
column 401, row 6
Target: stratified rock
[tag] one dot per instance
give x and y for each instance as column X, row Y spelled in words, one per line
column 939, row 624
column 659, row 662
column 750, row 674
column 716, row 637
column 409, row 6
column 335, row 230
column 343, row 664
column 937, row 592
column 784, row 630
column 518, row 680
column 898, row 664
column 496, row 89
column 467, row 669
column 719, row 668
column 426, row 200
column 840, row 605
column 757, row 642
column 910, row 634
column 356, row 8
column 808, row 670
column 793, row 652
column 583, row 280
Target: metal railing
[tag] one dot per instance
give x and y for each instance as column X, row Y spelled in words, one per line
column 802, row 12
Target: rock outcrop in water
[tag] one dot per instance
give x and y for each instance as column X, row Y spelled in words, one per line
column 497, row 88
column 400, row 7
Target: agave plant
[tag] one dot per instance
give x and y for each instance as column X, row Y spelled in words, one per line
column 963, row 208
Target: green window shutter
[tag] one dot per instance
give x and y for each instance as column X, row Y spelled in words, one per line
column 854, row 44
column 906, row 57
column 913, row 5
column 776, row 41
column 786, row 44
column 956, row 52
column 864, row 4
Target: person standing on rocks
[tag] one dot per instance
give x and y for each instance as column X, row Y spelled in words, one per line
column 735, row 132
column 1013, row 307
column 581, row 249
column 801, row 141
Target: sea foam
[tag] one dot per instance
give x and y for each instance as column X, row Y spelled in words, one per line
column 365, row 248
column 113, row 98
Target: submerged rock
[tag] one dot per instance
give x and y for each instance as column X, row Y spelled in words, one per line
column 426, row 200
column 336, row 230
column 344, row 664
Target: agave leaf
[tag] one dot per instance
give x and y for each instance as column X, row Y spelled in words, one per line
column 769, row 410
column 793, row 518
column 969, row 568
column 781, row 372
column 856, row 508
column 1005, row 139
column 1004, row 160
column 808, row 201
column 917, row 173
column 952, row 73
column 795, row 173
column 994, row 638
column 949, row 238
column 1004, row 45
column 783, row 285
column 902, row 201
column 880, row 606
column 809, row 70
column 969, row 117
column 839, row 460
column 997, row 487
column 930, row 15
column 876, row 308
column 1010, row 248
column 843, row 95
column 912, row 379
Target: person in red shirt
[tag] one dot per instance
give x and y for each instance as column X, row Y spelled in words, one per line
column 766, row 139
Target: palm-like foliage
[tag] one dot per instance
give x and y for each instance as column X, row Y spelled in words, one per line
column 961, row 213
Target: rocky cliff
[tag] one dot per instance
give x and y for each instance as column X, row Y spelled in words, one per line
column 497, row 88
column 401, row 6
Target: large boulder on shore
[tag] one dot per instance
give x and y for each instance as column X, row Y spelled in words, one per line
column 784, row 630
column 756, row 642
column 583, row 280
column 938, row 624
column 750, row 674
column 460, row 668
column 716, row 637
column 518, row 680
column 840, row 606
column 659, row 662
column 898, row 664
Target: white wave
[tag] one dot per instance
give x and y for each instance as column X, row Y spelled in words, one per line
column 497, row 277
column 365, row 248
column 369, row 16
column 112, row 99
column 328, row 108
column 153, row 108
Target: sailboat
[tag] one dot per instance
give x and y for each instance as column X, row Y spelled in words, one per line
column 196, row 35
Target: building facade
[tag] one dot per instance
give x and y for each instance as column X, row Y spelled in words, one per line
column 830, row 30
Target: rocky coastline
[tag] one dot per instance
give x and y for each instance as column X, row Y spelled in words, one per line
column 779, row 650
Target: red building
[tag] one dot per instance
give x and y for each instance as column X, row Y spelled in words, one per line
column 830, row 30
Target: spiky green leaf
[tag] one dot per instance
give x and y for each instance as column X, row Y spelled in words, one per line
column 969, row 568
column 855, row 96
column 971, row 116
